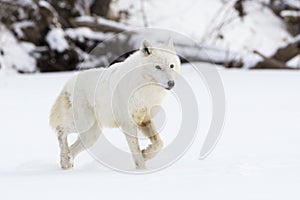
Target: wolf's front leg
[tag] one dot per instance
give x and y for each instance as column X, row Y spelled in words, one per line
column 132, row 140
column 157, row 143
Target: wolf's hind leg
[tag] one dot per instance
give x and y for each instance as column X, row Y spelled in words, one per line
column 157, row 143
column 66, row 159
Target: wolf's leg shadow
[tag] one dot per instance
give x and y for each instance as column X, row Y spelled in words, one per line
column 133, row 143
column 157, row 144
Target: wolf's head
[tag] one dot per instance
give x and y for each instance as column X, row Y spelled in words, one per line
column 161, row 63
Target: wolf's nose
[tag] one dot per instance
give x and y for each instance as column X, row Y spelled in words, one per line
column 171, row 84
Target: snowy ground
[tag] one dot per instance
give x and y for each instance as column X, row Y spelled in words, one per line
column 257, row 157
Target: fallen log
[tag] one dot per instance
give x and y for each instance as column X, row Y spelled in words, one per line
column 197, row 53
column 269, row 63
column 279, row 59
column 98, row 24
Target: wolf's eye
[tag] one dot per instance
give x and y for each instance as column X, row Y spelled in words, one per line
column 158, row 67
column 171, row 66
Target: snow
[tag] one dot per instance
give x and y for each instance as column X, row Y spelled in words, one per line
column 293, row 3
column 16, row 55
column 85, row 18
column 256, row 31
column 56, row 40
column 287, row 13
column 111, row 23
column 86, row 33
column 256, row 158
column 203, row 21
column 102, row 21
column 23, row 2
column 295, row 62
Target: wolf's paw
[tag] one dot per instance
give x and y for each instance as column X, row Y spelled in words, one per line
column 66, row 162
column 66, row 166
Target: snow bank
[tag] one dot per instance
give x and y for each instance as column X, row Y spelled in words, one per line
column 16, row 55
column 214, row 23
column 56, row 40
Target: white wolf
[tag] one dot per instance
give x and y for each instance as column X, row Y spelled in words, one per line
column 119, row 96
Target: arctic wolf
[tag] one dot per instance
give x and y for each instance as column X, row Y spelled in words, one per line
column 119, row 96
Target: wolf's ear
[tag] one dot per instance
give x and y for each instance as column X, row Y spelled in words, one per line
column 146, row 48
column 170, row 43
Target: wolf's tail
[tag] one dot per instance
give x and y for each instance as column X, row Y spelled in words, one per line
column 60, row 110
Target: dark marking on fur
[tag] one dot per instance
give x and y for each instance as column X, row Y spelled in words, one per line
column 67, row 99
column 145, row 123
column 154, row 137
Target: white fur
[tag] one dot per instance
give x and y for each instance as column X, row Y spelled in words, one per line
column 119, row 96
